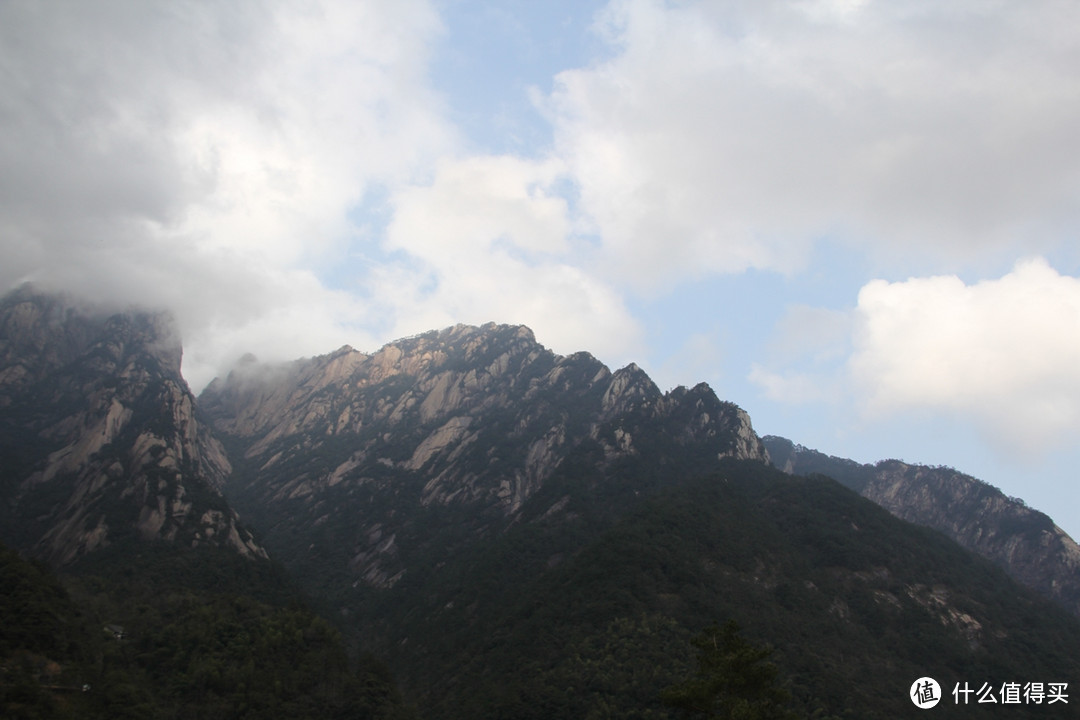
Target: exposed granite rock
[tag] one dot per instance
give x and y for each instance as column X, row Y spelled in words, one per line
column 476, row 417
column 1023, row 541
column 101, row 436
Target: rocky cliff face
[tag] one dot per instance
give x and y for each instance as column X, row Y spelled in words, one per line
column 99, row 437
column 465, row 418
column 1023, row 541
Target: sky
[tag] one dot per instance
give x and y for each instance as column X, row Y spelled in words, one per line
column 857, row 219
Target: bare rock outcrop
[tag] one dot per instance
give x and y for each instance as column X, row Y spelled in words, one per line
column 466, row 417
column 1023, row 541
column 101, row 434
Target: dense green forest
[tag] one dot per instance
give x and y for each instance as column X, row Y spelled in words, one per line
column 593, row 614
column 605, row 609
column 149, row 632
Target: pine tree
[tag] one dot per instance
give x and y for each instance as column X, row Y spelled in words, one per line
column 734, row 680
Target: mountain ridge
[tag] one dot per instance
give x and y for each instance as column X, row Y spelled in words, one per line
column 516, row 533
column 474, row 416
column 113, row 373
column 1023, row 541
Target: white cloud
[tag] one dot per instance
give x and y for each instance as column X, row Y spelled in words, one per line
column 999, row 356
column 479, row 202
column 205, row 156
column 490, row 239
column 1003, row 354
column 723, row 136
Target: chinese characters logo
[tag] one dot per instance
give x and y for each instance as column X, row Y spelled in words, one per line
column 925, row 693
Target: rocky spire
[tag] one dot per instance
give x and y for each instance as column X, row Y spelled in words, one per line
column 102, row 434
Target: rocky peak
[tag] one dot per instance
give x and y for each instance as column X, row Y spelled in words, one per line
column 441, row 368
column 38, row 333
column 476, row 417
column 101, row 434
column 702, row 416
column 628, row 386
column 130, row 336
column 41, row 333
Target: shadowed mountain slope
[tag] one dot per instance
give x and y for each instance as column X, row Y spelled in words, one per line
column 580, row 609
column 1024, row 542
column 99, row 439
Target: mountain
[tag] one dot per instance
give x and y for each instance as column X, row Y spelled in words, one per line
column 512, row 533
column 155, row 602
column 1024, row 542
column 340, row 453
column 100, row 442
column 520, row 534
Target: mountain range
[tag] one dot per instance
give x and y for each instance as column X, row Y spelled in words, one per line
column 465, row 524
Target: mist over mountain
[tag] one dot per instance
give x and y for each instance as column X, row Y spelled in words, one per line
column 497, row 530
column 166, row 605
column 100, row 440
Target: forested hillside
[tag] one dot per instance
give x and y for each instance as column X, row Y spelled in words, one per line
column 584, row 612
column 149, row 633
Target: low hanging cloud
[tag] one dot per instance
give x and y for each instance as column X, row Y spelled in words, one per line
column 204, row 157
column 1003, row 354
column 724, row 136
column 281, row 176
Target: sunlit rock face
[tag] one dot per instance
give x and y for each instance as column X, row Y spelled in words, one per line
column 100, row 436
column 471, row 419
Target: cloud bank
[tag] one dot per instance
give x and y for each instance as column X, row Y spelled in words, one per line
column 204, row 156
column 726, row 136
column 1001, row 353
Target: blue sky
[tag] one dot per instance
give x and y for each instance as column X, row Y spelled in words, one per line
column 856, row 219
